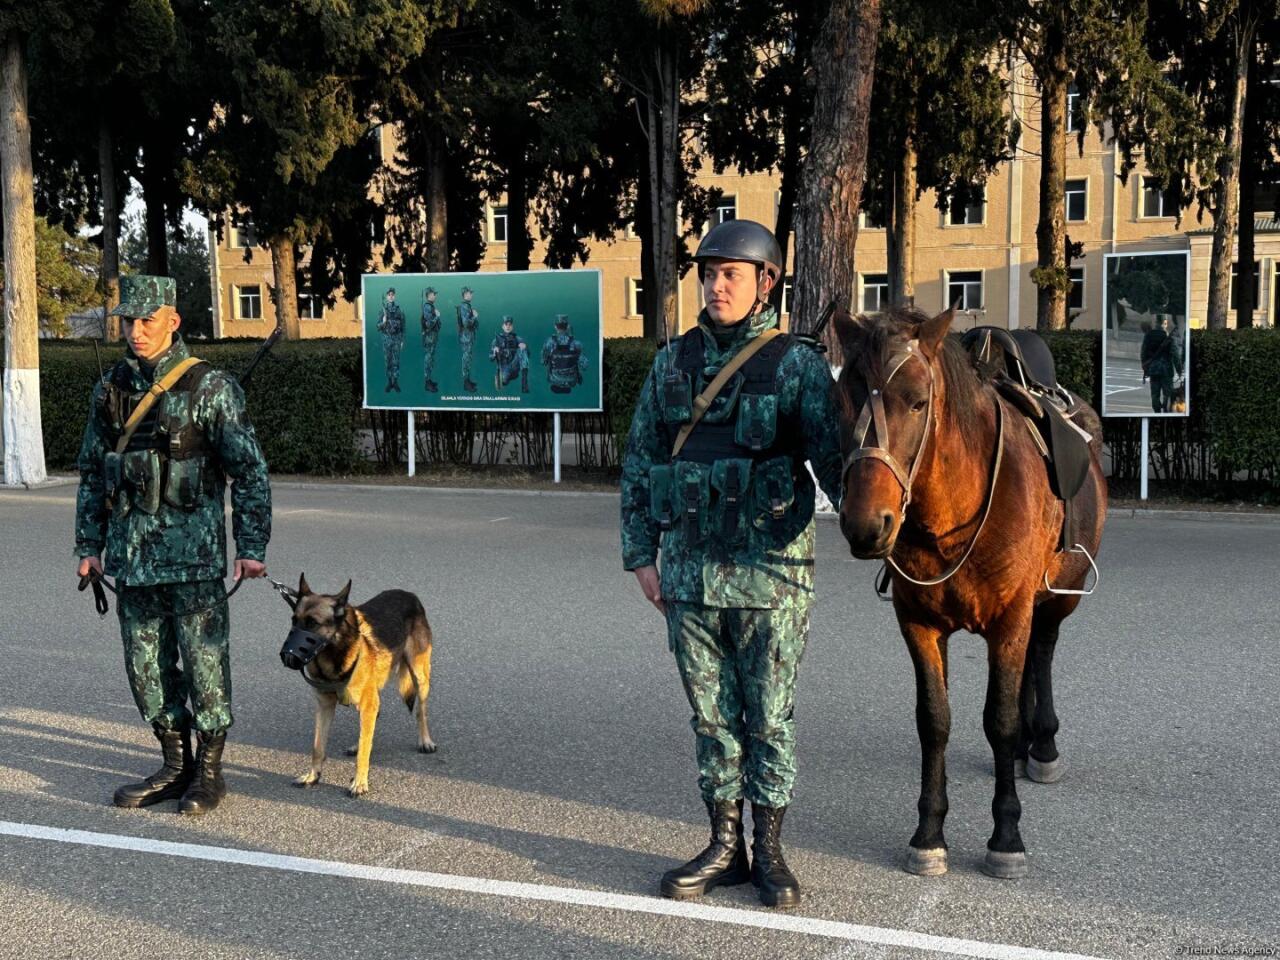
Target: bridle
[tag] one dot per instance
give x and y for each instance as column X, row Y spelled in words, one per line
column 873, row 411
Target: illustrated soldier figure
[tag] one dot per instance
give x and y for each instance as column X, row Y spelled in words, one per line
column 563, row 357
column 391, row 326
column 430, row 336
column 731, row 506
column 468, row 324
column 151, row 495
column 511, row 354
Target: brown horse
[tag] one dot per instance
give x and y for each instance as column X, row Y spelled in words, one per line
column 944, row 481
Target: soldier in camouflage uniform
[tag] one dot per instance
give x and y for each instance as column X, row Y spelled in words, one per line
column 391, row 326
column 468, row 324
column 155, row 507
column 510, row 352
column 733, row 515
column 430, row 336
column 563, row 357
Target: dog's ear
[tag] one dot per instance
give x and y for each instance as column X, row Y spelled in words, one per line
column 340, row 602
column 303, row 587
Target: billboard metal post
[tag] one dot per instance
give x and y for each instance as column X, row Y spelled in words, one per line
column 413, row 447
column 1146, row 456
column 556, row 444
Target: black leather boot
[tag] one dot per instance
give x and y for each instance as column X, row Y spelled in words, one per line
column 171, row 780
column 431, row 386
column 777, row 885
column 524, row 381
column 722, row 864
column 207, row 788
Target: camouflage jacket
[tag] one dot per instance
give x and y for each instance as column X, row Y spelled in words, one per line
column 392, row 322
column 468, row 321
column 771, row 565
column 430, row 322
column 173, row 545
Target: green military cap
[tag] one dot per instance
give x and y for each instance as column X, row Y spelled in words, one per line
column 467, row 290
column 507, row 320
column 562, row 319
column 428, row 291
column 142, row 295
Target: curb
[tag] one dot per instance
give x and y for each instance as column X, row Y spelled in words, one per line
column 477, row 491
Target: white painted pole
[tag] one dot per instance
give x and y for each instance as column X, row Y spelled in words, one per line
column 413, row 447
column 1146, row 455
column 556, row 443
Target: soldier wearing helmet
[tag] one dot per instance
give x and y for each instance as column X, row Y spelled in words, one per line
column 729, row 505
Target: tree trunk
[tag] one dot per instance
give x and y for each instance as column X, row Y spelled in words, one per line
column 1051, row 298
column 437, row 197
column 1250, row 161
column 110, row 229
column 900, row 208
column 155, row 177
column 286, row 287
column 787, row 199
column 644, row 230
column 23, row 436
column 1226, row 191
column 844, row 52
column 519, row 242
column 668, row 277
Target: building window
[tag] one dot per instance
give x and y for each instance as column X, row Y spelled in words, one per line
column 1157, row 202
column 375, row 143
column 1075, row 301
column 498, row 229
column 967, row 207
column 1077, row 197
column 875, row 292
column 868, row 220
column 310, row 307
column 249, row 302
column 1075, row 110
column 635, row 294
column 787, row 292
column 243, row 235
column 964, row 287
column 1235, row 279
column 726, row 208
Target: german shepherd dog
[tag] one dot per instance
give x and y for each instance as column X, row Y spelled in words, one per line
column 350, row 653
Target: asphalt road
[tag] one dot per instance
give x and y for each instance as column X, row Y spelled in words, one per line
column 566, row 760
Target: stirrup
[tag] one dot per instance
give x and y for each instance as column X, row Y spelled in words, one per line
column 1078, row 548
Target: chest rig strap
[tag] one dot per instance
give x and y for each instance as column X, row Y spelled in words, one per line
column 158, row 389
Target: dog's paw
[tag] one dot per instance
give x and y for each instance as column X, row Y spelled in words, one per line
column 352, row 750
column 357, row 789
column 308, row 779
column 428, row 747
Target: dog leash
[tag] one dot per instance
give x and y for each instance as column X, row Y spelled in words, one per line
column 97, row 581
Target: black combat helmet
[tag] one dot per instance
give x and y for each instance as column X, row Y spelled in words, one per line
column 562, row 321
column 743, row 240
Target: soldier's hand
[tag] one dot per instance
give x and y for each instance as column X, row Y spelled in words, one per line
column 249, row 569
column 87, row 564
column 651, row 586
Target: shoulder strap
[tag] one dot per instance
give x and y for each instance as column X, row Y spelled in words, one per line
column 703, row 401
column 158, row 389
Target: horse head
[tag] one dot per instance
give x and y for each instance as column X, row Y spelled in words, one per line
column 890, row 392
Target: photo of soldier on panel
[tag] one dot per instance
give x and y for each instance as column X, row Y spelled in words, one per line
column 1146, row 339
column 391, row 326
column 511, row 354
column 563, row 357
column 430, row 337
column 468, row 325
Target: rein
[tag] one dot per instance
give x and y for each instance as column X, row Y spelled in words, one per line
column 873, row 411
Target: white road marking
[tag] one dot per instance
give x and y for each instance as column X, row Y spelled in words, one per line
column 785, row 923
column 498, row 519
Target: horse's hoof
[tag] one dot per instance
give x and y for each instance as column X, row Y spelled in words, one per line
column 926, row 863
column 1049, row 772
column 1005, row 866
column 1020, row 769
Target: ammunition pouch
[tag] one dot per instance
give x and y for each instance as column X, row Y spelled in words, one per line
column 757, row 423
column 141, row 479
column 185, row 483
column 774, row 493
column 731, row 480
column 661, row 504
column 677, row 397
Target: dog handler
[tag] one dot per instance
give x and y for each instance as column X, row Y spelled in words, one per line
column 151, row 494
column 731, row 505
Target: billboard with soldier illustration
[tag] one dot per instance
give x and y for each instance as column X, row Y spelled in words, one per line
column 526, row 341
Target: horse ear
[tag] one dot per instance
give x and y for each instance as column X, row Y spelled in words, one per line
column 303, row 587
column 932, row 332
column 848, row 332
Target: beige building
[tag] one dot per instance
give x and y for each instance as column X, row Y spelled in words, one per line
column 981, row 255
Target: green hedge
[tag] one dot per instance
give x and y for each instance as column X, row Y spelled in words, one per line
column 305, row 402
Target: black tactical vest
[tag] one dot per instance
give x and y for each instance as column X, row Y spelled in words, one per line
column 564, row 356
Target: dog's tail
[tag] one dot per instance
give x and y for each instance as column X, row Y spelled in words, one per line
column 408, row 685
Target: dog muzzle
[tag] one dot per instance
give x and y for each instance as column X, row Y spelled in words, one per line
column 300, row 648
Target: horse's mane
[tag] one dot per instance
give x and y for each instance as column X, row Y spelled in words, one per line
column 964, row 388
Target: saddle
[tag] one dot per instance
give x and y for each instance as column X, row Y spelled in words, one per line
column 1020, row 366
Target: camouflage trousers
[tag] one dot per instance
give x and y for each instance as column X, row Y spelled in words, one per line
column 391, row 347
column 428, row 356
column 153, row 645
column 739, row 672
column 468, row 348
